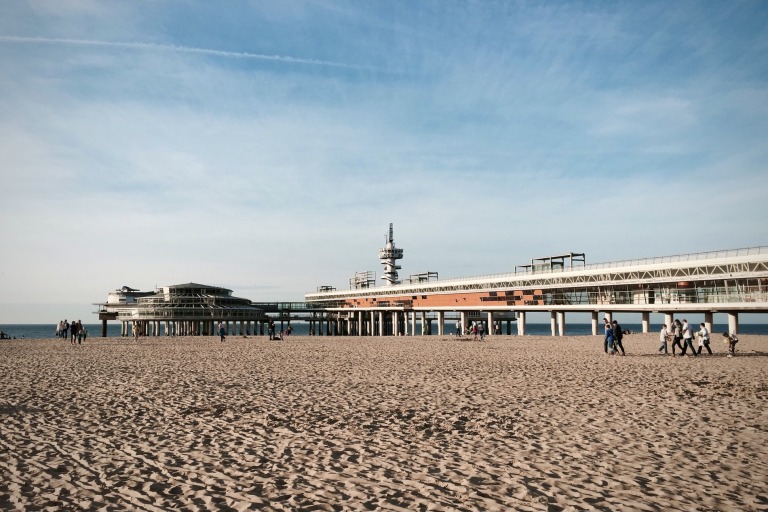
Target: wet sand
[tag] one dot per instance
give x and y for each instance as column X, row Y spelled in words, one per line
column 426, row 423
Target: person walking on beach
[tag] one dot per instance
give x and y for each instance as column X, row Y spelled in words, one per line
column 618, row 335
column 79, row 332
column 663, row 339
column 481, row 330
column 136, row 331
column 608, row 341
column 703, row 335
column 677, row 336
column 73, row 333
column 687, row 338
column 222, row 331
column 732, row 340
column 458, row 328
column 65, row 329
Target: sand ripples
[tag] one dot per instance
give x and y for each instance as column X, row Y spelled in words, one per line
column 380, row 424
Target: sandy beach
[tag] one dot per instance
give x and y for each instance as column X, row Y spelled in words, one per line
column 428, row 423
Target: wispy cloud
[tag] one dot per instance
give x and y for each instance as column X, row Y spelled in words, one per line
column 177, row 48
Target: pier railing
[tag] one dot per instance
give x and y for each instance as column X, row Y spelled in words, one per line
column 680, row 258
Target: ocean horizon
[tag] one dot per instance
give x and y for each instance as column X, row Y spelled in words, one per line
column 41, row 331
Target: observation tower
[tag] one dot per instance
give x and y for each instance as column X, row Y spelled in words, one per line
column 388, row 255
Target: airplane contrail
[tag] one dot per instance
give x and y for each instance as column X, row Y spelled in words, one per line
column 177, row 48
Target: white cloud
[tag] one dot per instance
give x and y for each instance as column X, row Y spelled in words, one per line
column 496, row 134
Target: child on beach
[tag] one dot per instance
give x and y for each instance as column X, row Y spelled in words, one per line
column 703, row 336
column 663, row 339
column 732, row 340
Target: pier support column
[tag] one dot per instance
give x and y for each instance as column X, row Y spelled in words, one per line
column 424, row 328
column 646, row 322
column 595, row 315
column 413, row 323
column 521, row 323
column 553, row 322
column 668, row 321
column 733, row 323
column 509, row 327
column 708, row 321
column 561, row 323
column 441, row 323
column 381, row 323
column 463, row 320
column 395, row 323
column 489, row 327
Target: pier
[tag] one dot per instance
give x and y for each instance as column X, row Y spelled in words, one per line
column 733, row 282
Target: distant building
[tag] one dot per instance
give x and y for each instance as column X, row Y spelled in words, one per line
column 181, row 310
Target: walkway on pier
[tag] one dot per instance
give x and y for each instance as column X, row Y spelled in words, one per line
column 731, row 282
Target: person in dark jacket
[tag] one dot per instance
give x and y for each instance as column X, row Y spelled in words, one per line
column 617, row 337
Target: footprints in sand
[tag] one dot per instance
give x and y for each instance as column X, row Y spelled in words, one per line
column 370, row 424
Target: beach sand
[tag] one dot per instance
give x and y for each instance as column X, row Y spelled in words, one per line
column 425, row 423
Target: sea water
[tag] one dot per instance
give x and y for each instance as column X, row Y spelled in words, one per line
column 301, row 328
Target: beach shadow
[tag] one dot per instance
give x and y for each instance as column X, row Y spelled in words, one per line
column 9, row 409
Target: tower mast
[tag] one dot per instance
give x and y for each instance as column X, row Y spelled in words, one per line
column 388, row 255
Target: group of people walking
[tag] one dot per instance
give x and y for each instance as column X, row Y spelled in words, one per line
column 683, row 332
column 76, row 331
column 613, row 338
column 679, row 334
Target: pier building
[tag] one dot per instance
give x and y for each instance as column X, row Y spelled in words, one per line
column 730, row 281
column 186, row 310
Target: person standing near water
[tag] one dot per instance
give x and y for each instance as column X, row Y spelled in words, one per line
column 222, row 331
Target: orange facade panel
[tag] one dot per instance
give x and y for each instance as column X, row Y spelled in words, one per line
column 453, row 300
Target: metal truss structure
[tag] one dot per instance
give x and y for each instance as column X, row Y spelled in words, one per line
column 730, row 277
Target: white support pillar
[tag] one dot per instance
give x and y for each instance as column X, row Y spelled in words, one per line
column 489, row 327
column 463, row 315
column 395, row 323
column 594, row 322
column 708, row 321
column 521, row 327
column 381, row 323
column 733, row 323
column 646, row 322
column 413, row 323
column 423, row 323
column 440, row 323
column 553, row 322
column 561, row 323
column 668, row 321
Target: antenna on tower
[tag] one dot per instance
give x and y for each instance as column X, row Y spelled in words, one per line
column 388, row 255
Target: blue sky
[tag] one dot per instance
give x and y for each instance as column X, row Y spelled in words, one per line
column 266, row 146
